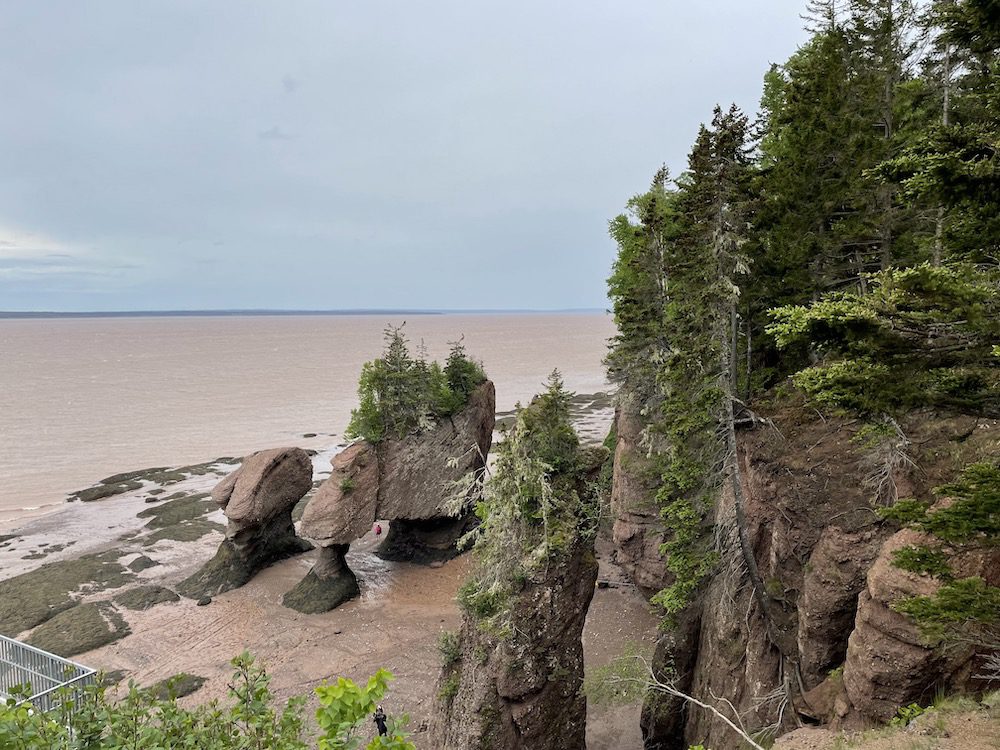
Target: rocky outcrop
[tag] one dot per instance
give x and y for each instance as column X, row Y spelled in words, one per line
column 638, row 530
column 889, row 664
column 832, row 580
column 257, row 499
column 409, row 482
column 830, row 648
column 523, row 692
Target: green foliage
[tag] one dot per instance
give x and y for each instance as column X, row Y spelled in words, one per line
column 347, row 484
column 449, row 688
column 344, row 706
column 957, row 607
column 535, row 505
column 922, row 559
column 450, row 647
column 969, row 520
column 399, row 393
column 921, row 336
column 142, row 720
column 906, row 714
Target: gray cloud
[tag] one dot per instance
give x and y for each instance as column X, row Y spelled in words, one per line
column 275, row 134
column 445, row 154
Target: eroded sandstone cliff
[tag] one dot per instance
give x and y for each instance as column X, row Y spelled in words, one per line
column 829, row 648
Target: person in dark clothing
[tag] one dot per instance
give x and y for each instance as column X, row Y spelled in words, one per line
column 380, row 718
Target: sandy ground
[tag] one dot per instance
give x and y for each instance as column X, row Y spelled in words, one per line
column 394, row 624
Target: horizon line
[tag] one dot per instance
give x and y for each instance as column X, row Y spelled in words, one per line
column 263, row 312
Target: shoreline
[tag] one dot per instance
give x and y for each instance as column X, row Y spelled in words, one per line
column 101, row 555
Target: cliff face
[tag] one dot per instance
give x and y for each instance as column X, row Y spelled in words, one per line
column 638, row 531
column 829, row 648
column 523, row 692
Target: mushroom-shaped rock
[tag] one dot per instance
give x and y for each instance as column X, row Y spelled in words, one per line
column 412, row 483
column 257, row 499
column 342, row 510
column 344, row 507
column 420, row 475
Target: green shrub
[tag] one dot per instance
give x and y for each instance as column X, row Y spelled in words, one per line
column 969, row 521
column 449, row 688
column 143, row 720
column 906, row 714
column 922, row 336
column 399, row 393
column 347, row 484
column 450, row 647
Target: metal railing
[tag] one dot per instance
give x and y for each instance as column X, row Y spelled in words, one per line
column 51, row 678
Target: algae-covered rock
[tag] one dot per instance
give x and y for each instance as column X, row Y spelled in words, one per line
column 144, row 597
column 172, row 512
column 328, row 585
column 187, row 531
column 29, row 599
column 79, row 629
column 180, row 685
column 102, row 491
column 142, row 563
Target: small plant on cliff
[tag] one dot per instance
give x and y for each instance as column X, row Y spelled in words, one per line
column 450, row 647
column 534, row 505
column 399, row 393
column 967, row 522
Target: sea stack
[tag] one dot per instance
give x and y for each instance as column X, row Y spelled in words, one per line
column 423, row 484
column 257, row 499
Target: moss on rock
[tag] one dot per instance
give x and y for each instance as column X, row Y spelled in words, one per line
column 172, row 512
column 29, row 599
column 142, row 563
column 79, row 629
column 144, row 597
column 178, row 686
column 313, row 595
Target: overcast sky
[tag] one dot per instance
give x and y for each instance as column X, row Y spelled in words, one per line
column 324, row 154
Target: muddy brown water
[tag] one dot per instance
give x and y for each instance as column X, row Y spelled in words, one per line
column 81, row 399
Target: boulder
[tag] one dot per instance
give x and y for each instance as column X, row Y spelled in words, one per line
column 257, row 499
